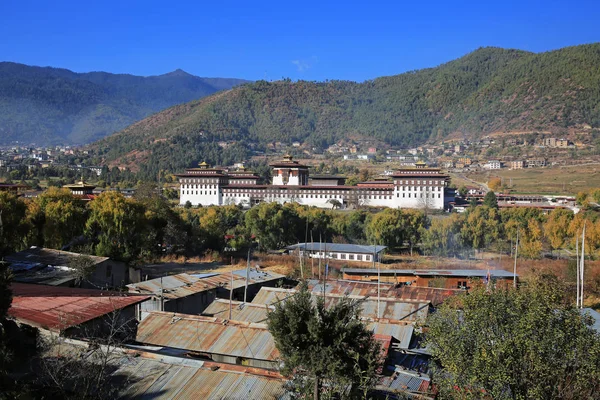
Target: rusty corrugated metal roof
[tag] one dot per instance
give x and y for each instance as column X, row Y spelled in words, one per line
column 57, row 308
column 240, row 311
column 433, row 295
column 351, row 288
column 255, row 276
column 208, row 335
column 149, row 378
column 391, row 309
column 172, row 286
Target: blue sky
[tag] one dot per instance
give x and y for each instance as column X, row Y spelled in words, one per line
column 312, row 40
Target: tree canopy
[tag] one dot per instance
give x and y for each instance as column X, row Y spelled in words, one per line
column 530, row 343
column 326, row 351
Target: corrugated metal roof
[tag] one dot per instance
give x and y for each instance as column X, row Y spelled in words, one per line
column 350, row 288
column 240, row 311
column 389, row 308
column 173, row 286
column 407, row 381
column 60, row 308
column 208, row 335
column 255, row 276
column 433, row 295
column 150, row 378
column 402, row 333
column 269, row 295
column 338, row 247
column 479, row 273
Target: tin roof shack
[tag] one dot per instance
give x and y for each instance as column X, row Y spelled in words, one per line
column 75, row 312
column 257, row 279
column 448, row 279
column 53, row 267
column 339, row 251
column 172, row 377
column 231, row 342
column 180, row 293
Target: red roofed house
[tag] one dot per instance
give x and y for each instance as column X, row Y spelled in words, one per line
column 75, row 312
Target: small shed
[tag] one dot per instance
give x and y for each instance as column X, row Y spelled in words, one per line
column 52, row 267
column 181, row 293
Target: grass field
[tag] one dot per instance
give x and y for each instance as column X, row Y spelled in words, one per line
column 565, row 180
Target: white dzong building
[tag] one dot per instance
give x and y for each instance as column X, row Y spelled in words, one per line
column 418, row 187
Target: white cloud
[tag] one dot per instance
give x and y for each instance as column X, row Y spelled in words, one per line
column 305, row 63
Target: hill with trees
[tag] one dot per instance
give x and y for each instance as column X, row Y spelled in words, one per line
column 52, row 105
column 488, row 90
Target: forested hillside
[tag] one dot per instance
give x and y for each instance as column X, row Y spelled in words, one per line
column 488, row 90
column 51, row 105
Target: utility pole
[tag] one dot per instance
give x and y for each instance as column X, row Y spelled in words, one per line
column 247, row 276
column 230, row 294
column 577, row 270
column 162, row 303
column 378, row 285
column 516, row 255
column 581, row 264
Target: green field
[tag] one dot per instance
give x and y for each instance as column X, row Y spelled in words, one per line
column 567, row 180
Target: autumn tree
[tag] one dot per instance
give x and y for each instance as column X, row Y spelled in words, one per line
column 482, row 227
column 556, row 228
column 324, row 351
column 529, row 343
column 494, row 184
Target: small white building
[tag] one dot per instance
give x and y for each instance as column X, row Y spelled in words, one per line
column 340, row 251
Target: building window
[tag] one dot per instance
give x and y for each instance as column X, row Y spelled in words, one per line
column 350, row 256
column 359, row 257
column 367, row 257
column 343, row 256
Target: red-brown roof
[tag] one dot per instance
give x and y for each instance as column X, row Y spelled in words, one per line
column 59, row 308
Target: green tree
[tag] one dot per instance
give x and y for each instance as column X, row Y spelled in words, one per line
column 13, row 226
column 415, row 223
column 490, row 200
column 325, row 350
column 482, row 227
column 273, row 225
column 386, row 228
column 443, row 236
column 529, row 343
column 63, row 217
column 118, row 226
column 463, row 191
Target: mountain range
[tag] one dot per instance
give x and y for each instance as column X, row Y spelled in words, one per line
column 44, row 105
column 488, row 90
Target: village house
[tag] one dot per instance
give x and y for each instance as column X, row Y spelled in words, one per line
column 75, row 312
column 54, row 267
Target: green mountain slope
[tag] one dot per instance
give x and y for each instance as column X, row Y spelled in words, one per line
column 51, row 105
column 488, row 90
